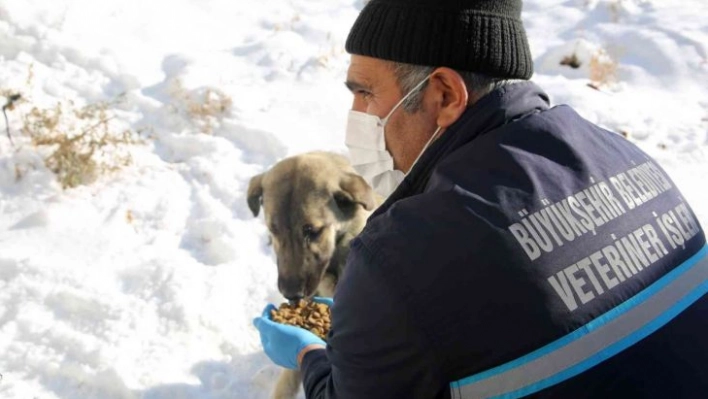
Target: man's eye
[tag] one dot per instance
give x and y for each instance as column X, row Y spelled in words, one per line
column 363, row 94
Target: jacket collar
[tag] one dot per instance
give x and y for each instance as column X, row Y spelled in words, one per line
column 499, row 107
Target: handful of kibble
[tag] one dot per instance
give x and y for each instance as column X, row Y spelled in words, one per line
column 312, row 316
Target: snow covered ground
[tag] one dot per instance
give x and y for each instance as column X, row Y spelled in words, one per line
column 144, row 283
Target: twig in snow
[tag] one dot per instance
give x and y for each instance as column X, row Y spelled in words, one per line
column 10, row 104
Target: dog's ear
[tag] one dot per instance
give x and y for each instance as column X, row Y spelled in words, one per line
column 355, row 190
column 255, row 193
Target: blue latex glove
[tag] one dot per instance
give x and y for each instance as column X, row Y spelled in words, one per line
column 327, row 301
column 282, row 343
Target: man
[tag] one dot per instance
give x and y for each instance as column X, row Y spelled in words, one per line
column 525, row 252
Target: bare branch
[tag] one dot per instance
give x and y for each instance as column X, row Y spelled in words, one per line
column 9, row 105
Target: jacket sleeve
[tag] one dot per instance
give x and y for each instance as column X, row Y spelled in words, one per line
column 374, row 348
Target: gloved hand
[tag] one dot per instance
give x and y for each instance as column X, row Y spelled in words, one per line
column 321, row 299
column 282, row 343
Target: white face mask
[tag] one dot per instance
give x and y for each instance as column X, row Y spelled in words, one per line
column 365, row 139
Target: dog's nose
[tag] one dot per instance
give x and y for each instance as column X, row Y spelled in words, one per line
column 294, row 299
column 291, row 288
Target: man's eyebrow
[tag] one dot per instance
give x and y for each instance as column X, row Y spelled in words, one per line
column 354, row 86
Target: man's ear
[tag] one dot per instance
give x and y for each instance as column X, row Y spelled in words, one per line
column 255, row 193
column 355, row 190
column 451, row 95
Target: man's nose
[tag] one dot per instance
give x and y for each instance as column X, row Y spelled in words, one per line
column 359, row 104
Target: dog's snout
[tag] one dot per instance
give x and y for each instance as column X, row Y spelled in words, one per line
column 292, row 288
column 294, row 300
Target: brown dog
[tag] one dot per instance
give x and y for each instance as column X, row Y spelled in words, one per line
column 314, row 204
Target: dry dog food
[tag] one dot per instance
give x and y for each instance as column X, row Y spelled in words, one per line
column 311, row 316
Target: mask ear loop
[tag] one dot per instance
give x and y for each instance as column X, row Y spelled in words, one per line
column 432, row 138
column 398, row 104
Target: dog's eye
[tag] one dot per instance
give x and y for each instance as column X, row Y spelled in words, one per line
column 310, row 233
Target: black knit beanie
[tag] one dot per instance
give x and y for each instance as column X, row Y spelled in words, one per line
column 482, row 36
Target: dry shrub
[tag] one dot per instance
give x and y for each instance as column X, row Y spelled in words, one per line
column 81, row 142
column 615, row 8
column 603, row 69
column 205, row 107
column 78, row 143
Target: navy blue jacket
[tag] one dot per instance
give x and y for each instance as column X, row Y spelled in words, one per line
column 529, row 252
